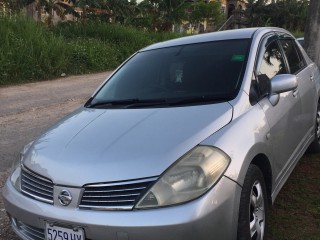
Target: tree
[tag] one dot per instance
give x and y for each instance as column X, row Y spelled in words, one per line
column 162, row 14
column 288, row 14
column 121, row 10
column 255, row 12
column 144, row 15
column 171, row 12
column 201, row 11
column 312, row 31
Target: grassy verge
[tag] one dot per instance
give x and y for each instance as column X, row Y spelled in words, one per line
column 30, row 51
column 295, row 214
column 298, row 34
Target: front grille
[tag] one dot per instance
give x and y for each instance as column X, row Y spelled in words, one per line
column 29, row 232
column 114, row 196
column 36, row 186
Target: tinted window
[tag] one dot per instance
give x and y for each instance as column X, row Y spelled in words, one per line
column 290, row 50
column 299, row 50
column 270, row 64
column 197, row 70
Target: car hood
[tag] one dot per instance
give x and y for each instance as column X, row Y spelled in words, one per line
column 104, row 145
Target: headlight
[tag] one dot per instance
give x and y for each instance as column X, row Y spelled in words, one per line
column 192, row 175
column 16, row 168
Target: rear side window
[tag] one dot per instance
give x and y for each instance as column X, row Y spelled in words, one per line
column 295, row 62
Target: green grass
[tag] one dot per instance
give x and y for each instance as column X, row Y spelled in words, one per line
column 295, row 214
column 298, row 34
column 30, row 51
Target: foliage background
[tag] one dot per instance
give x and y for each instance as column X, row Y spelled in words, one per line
column 109, row 31
column 31, row 51
column 288, row 14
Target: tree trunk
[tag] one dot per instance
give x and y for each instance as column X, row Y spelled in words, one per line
column 312, row 31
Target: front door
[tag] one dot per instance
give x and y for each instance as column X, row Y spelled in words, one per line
column 285, row 118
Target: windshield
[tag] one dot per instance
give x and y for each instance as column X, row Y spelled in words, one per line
column 195, row 73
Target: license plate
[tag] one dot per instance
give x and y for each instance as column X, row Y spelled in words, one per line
column 61, row 233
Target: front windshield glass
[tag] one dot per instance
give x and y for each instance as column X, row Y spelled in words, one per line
column 202, row 73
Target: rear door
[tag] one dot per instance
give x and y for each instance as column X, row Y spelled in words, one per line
column 306, row 83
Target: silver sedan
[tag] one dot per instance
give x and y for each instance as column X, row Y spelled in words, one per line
column 189, row 139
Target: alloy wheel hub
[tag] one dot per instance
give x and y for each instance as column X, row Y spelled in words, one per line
column 257, row 212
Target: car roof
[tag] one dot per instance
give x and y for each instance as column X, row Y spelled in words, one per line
column 243, row 33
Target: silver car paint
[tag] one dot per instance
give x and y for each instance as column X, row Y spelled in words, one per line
column 252, row 134
column 100, row 140
column 244, row 147
column 193, row 220
column 249, row 140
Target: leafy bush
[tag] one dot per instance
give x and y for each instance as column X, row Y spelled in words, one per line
column 125, row 40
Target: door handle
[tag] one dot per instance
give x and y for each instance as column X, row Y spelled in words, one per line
column 311, row 78
column 295, row 93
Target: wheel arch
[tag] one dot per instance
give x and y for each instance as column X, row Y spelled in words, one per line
column 263, row 163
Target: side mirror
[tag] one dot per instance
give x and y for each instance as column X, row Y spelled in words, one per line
column 280, row 84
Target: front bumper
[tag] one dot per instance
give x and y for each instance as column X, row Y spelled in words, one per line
column 213, row 216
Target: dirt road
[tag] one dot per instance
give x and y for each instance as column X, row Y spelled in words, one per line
column 27, row 110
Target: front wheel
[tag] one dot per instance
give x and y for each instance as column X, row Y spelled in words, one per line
column 253, row 212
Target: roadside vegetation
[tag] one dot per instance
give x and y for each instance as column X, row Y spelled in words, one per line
column 31, row 51
column 101, row 35
column 108, row 31
column 287, row 14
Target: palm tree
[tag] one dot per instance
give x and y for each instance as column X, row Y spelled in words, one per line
column 121, row 10
column 163, row 13
column 171, row 12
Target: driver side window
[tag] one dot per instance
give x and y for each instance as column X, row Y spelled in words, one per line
column 270, row 63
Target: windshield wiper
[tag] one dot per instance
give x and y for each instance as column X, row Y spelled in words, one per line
column 105, row 103
column 127, row 103
column 138, row 103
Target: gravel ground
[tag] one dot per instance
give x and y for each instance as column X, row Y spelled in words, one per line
column 27, row 110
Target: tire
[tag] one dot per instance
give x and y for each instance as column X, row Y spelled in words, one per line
column 253, row 211
column 315, row 145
